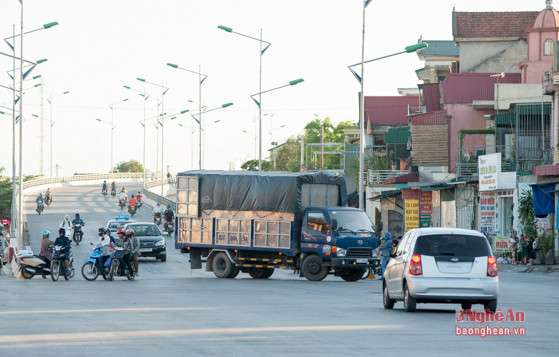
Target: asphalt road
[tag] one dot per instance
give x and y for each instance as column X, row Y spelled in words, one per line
column 173, row 311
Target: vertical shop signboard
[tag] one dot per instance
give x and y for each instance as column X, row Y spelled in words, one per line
column 487, row 211
column 411, row 203
column 425, row 208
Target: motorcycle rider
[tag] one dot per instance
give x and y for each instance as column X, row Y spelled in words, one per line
column 135, row 248
column 104, row 189
column 169, row 216
column 66, row 224
column 46, row 252
column 122, row 196
column 39, row 200
column 48, row 195
column 124, row 242
column 77, row 220
column 105, row 241
column 132, row 204
column 64, row 241
column 113, row 186
column 157, row 212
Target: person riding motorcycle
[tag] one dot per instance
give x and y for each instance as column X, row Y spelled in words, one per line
column 113, row 186
column 105, row 241
column 64, row 241
column 48, row 195
column 135, row 247
column 122, row 196
column 39, row 199
column 66, row 223
column 169, row 216
column 77, row 220
column 45, row 247
column 124, row 242
column 132, row 203
column 157, row 211
column 139, row 194
column 104, row 189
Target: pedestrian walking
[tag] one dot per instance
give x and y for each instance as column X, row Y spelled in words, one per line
column 385, row 250
column 513, row 241
column 3, row 244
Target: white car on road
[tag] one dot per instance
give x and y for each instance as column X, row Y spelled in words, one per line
column 442, row 265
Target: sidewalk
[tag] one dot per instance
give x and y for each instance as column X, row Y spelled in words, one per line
column 528, row 268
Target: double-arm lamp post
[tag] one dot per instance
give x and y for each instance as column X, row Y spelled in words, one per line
column 201, row 79
column 259, row 104
column 408, row 49
column 199, row 121
column 264, row 45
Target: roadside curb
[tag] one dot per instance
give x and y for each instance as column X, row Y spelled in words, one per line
column 528, row 268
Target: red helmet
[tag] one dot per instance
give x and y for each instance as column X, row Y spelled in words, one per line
column 120, row 231
column 130, row 232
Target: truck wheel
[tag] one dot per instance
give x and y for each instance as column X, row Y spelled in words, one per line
column 222, row 266
column 312, row 268
column 352, row 274
column 260, row 273
column 234, row 273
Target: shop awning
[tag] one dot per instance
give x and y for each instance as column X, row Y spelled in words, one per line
column 385, row 194
column 544, row 199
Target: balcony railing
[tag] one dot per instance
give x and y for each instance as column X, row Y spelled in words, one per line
column 377, row 176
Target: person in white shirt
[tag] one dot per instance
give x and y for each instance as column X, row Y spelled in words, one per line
column 67, row 225
column 157, row 212
column 105, row 241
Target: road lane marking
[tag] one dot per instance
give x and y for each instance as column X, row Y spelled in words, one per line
column 94, row 337
column 107, row 310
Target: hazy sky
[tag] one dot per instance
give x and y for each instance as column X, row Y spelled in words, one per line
column 99, row 46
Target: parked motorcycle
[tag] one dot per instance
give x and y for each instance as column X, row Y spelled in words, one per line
column 78, row 233
column 157, row 218
column 40, row 207
column 93, row 267
column 31, row 264
column 122, row 203
column 115, row 269
column 58, row 267
column 132, row 210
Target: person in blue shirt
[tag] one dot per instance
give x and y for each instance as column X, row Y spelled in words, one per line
column 64, row 241
column 385, row 250
column 78, row 220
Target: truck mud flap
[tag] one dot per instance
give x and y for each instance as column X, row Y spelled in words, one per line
column 195, row 258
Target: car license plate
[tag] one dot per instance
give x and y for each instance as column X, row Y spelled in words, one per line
column 145, row 250
column 361, row 260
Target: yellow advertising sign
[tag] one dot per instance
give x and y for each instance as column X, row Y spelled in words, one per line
column 412, row 214
column 502, row 245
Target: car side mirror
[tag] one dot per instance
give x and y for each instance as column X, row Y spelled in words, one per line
column 334, row 224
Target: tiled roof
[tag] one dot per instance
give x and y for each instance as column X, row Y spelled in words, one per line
column 389, row 110
column 440, row 48
column 467, row 87
column 492, row 24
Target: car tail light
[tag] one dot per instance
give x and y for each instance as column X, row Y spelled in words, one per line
column 415, row 265
column 491, row 266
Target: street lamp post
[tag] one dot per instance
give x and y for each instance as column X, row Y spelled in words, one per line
column 200, row 148
column 112, row 130
column 200, row 81
column 408, row 49
column 163, row 91
column 259, row 104
column 52, row 124
column 262, row 50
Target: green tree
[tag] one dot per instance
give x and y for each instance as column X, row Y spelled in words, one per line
column 287, row 156
column 128, row 166
column 5, row 194
column 331, row 135
column 252, row 165
column 527, row 214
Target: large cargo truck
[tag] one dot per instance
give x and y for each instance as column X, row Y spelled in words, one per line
column 255, row 222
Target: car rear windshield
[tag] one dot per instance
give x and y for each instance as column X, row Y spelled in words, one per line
column 149, row 230
column 452, row 244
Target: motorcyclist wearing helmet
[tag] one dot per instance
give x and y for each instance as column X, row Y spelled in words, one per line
column 64, row 241
column 124, row 242
column 48, row 195
column 45, row 247
column 40, row 199
column 169, row 215
column 104, row 189
column 132, row 202
column 105, row 242
column 139, row 194
column 135, row 248
column 78, row 220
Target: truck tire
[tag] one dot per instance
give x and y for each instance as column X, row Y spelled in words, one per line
column 234, row 273
column 352, row 274
column 312, row 268
column 260, row 273
column 222, row 266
